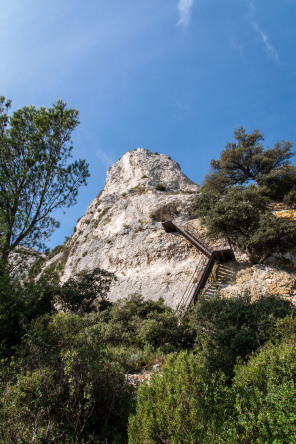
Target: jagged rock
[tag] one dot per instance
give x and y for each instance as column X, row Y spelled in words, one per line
column 143, row 168
column 121, row 230
column 259, row 280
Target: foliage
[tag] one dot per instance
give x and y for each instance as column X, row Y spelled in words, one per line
column 86, row 292
column 139, row 189
column 69, row 391
column 23, row 302
column 242, row 216
column 184, row 404
column 246, row 160
column 66, row 381
column 232, row 328
column 134, row 320
column 265, row 397
column 68, row 384
column 188, row 404
column 237, row 193
column 20, row 304
column 36, row 177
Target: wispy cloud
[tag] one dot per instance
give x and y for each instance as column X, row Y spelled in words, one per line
column 104, row 158
column 263, row 36
column 184, row 7
column 265, row 39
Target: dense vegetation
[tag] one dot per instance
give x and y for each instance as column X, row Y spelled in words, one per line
column 63, row 373
column 239, row 192
column 188, row 404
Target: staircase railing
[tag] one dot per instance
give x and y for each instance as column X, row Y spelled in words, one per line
column 187, row 296
column 205, row 268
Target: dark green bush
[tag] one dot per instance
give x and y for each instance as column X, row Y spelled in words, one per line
column 242, row 216
column 70, row 388
column 182, row 405
column 232, row 328
column 86, row 292
column 160, row 187
column 186, row 403
column 135, row 321
column 265, row 397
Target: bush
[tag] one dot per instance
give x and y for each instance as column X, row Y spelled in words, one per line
column 265, row 397
column 86, row 292
column 20, row 304
column 134, row 321
column 160, row 187
column 242, row 216
column 186, row 403
column 232, row 328
column 70, row 388
column 182, row 405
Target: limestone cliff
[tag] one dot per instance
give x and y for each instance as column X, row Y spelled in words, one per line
column 122, row 232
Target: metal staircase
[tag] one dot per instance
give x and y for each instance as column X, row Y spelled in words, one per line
column 205, row 271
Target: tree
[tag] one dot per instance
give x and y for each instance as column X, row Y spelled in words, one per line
column 238, row 191
column 243, row 217
column 36, row 177
column 246, row 160
column 86, row 292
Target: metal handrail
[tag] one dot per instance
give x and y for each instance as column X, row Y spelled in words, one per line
column 187, row 226
column 204, row 271
column 191, row 285
column 201, row 240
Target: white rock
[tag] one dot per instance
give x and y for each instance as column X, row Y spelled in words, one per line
column 119, row 232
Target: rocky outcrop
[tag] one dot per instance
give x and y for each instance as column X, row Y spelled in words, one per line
column 121, row 230
column 259, row 280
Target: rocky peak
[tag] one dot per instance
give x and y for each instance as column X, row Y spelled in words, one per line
column 142, row 168
column 122, row 232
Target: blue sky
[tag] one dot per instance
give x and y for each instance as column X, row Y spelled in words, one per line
column 172, row 76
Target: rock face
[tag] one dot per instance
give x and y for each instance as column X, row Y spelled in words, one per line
column 21, row 260
column 259, row 280
column 122, row 231
column 143, row 168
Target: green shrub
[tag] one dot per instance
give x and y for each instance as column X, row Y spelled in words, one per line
column 77, row 393
column 242, row 216
column 182, row 405
column 139, row 189
column 186, row 403
column 265, row 397
column 139, row 322
column 86, row 292
column 232, row 328
column 160, row 187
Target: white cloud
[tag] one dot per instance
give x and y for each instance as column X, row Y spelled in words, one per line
column 106, row 160
column 184, row 7
column 264, row 37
